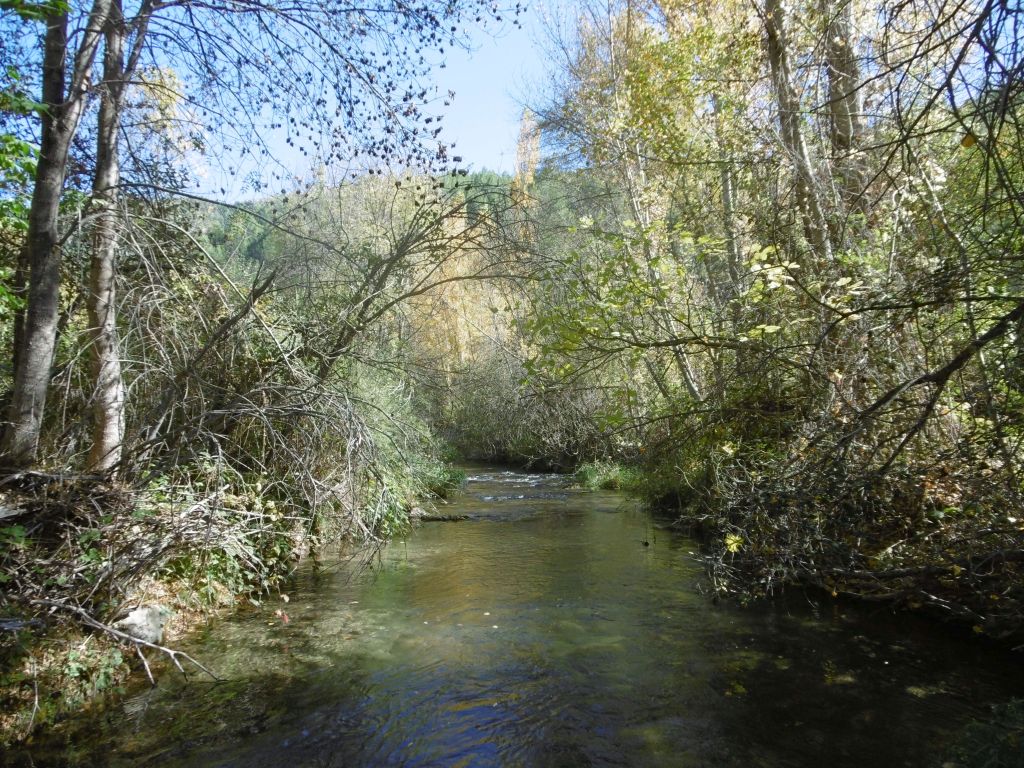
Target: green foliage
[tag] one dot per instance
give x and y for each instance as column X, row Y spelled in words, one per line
column 12, row 537
column 97, row 672
column 607, row 475
column 14, row 100
column 30, row 11
column 10, row 302
column 252, row 536
column 441, row 480
column 753, row 376
column 507, row 410
column 42, row 682
column 17, row 171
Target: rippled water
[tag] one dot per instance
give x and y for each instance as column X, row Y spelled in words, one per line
column 554, row 627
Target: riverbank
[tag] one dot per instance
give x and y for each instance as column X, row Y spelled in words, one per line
column 82, row 554
column 890, row 543
column 541, row 630
column 78, row 554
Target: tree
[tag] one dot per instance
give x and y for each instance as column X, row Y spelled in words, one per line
column 834, row 191
column 64, row 92
column 339, row 80
column 808, row 183
column 104, row 349
column 846, row 102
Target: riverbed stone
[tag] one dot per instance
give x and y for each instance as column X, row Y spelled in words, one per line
column 145, row 623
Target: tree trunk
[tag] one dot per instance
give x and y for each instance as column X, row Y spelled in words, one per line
column 108, row 404
column 727, row 174
column 38, row 331
column 809, row 201
column 845, row 101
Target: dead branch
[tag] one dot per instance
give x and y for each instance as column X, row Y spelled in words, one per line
column 86, row 618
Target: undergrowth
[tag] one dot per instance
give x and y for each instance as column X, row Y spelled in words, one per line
column 608, row 476
column 82, row 553
column 938, row 531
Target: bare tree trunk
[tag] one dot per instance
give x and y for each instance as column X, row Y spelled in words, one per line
column 845, row 101
column 108, row 404
column 37, row 335
column 809, row 201
column 727, row 173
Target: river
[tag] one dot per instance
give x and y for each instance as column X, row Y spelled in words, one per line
column 554, row 627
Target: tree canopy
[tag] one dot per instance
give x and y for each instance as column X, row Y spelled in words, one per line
column 759, row 261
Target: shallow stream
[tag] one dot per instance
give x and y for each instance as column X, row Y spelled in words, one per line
column 554, row 627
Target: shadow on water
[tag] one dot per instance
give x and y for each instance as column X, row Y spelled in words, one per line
column 543, row 631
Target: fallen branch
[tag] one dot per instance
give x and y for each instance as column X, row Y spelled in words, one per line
column 971, row 563
column 6, row 512
column 90, row 621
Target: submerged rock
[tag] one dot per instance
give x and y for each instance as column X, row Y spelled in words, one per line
column 145, row 623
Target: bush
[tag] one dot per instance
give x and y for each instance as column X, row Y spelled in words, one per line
column 608, row 476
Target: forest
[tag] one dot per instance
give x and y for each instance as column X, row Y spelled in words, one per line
column 759, row 264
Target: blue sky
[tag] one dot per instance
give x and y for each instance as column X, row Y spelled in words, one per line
column 491, row 83
column 492, row 79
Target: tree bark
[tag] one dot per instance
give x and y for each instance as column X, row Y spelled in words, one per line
column 108, row 404
column 727, row 175
column 845, row 101
column 809, row 202
column 37, row 334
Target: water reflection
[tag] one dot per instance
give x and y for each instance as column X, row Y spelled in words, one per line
column 544, row 632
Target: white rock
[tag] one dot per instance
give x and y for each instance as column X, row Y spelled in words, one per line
column 145, row 623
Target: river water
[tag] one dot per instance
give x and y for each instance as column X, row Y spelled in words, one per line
column 555, row 627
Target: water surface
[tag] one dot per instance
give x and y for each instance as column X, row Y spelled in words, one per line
column 555, row 627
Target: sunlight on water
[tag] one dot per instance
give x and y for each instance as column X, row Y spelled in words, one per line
column 543, row 631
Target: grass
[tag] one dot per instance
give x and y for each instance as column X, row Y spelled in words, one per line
column 608, row 476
